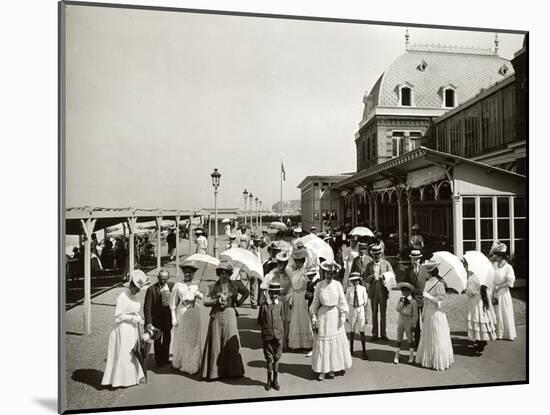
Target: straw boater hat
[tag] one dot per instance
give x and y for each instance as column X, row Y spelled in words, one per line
column 354, row 276
column 189, row 265
column 139, row 279
column 282, row 257
column 330, row 266
column 224, row 266
column 275, row 286
column 198, row 231
column 375, row 249
column 297, row 230
column 232, row 236
column 312, row 270
column 415, row 253
column 498, row 248
column 402, row 285
column 415, row 227
column 430, row 265
column 313, row 228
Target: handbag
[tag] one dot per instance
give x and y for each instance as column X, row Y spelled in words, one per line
column 494, row 301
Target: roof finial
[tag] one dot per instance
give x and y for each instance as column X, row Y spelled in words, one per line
column 407, row 39
column 496, row 44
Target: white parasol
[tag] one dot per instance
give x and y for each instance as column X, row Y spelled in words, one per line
column 451, row 270
column 318, row 246
column 280, row 226
column 480, row 265
column 226, row 221
column 361, row 231
column 246, row 260
column 203, row 259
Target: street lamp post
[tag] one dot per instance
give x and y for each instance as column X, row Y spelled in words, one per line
column 260, row 213
column 245, row 195
column 250, row 197
column 257, row 214
column 216, row 183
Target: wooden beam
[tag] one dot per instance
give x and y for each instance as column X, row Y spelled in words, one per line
column 158, row 220
column 88, row 226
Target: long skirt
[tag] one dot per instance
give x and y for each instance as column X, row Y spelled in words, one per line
column 222, row 352
column 300, row 334
column 122, row 367
column 435, row 350
column 504, row 310
column 330, row 346
column 481, row 322
column 186, row 343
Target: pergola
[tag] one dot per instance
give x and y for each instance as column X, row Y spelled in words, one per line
column 86, row 220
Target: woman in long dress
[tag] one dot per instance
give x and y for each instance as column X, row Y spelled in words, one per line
column 481, row 319
column 122, row 367
column 331, row 354
column 222, row 352
column 300, row 334
column 186, row 320
column 435, row 350
column 504, row 280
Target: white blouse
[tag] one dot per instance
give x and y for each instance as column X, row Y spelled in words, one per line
column 184, row 294
column 329, row 295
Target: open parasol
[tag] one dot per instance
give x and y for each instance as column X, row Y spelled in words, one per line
column 361, row 231
column 318, row 246
column 480, row 265
column 451, row 270
column 246, row 260
column 280, row 226
column 203, row 259
column 226, row 220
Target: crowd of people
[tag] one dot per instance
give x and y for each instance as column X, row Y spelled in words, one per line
column 306, row 303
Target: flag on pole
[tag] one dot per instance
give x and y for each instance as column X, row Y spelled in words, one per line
column 283, row 172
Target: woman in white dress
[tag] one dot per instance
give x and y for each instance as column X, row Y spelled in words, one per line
column 481, row 318
column 504, row 280
column 186, row 320
column 331, row 354
column 435, row 350
column 300, row 332
column 122, row 367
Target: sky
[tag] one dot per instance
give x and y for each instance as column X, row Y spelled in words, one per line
column 156, row 100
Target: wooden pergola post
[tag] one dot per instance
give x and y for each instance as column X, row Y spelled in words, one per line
column 88, row 226
column 159, row 228
column 132, row 227
column 409, row 212
column 177, row 244
column 190, row 235
column 400, row 218
column 376, row 212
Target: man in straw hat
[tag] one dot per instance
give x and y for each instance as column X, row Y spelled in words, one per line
column 356, row 295
column 407, row 320
column 378, row 292
column 417, row 240
column 232, row 241
column 158, row 314
column 361, row 261
column 417, row 276
column 271, row 318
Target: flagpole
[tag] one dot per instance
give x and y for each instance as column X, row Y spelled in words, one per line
column 281, row 174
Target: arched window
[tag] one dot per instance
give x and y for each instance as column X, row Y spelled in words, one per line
column 405, row 95
column 449, row 98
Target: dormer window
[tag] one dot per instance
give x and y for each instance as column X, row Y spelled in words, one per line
column 448, row 96
column 406, row 95
column 503, row 70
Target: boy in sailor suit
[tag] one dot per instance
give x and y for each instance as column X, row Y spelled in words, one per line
column 356, row 296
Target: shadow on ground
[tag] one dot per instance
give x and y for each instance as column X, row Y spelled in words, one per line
column 298, row 370
column 91, row 377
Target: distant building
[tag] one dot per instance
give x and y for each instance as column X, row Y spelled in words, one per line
column 290, row 207
column 320, row 204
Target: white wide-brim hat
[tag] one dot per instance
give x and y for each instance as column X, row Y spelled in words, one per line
column 139, row 279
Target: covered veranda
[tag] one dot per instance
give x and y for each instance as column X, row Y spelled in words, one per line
column 458, row 203
column 84, row 221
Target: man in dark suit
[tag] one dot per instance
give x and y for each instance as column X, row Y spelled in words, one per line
column 417, row 276
column 157, row 313
column 377, row 290
column 360, row 262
